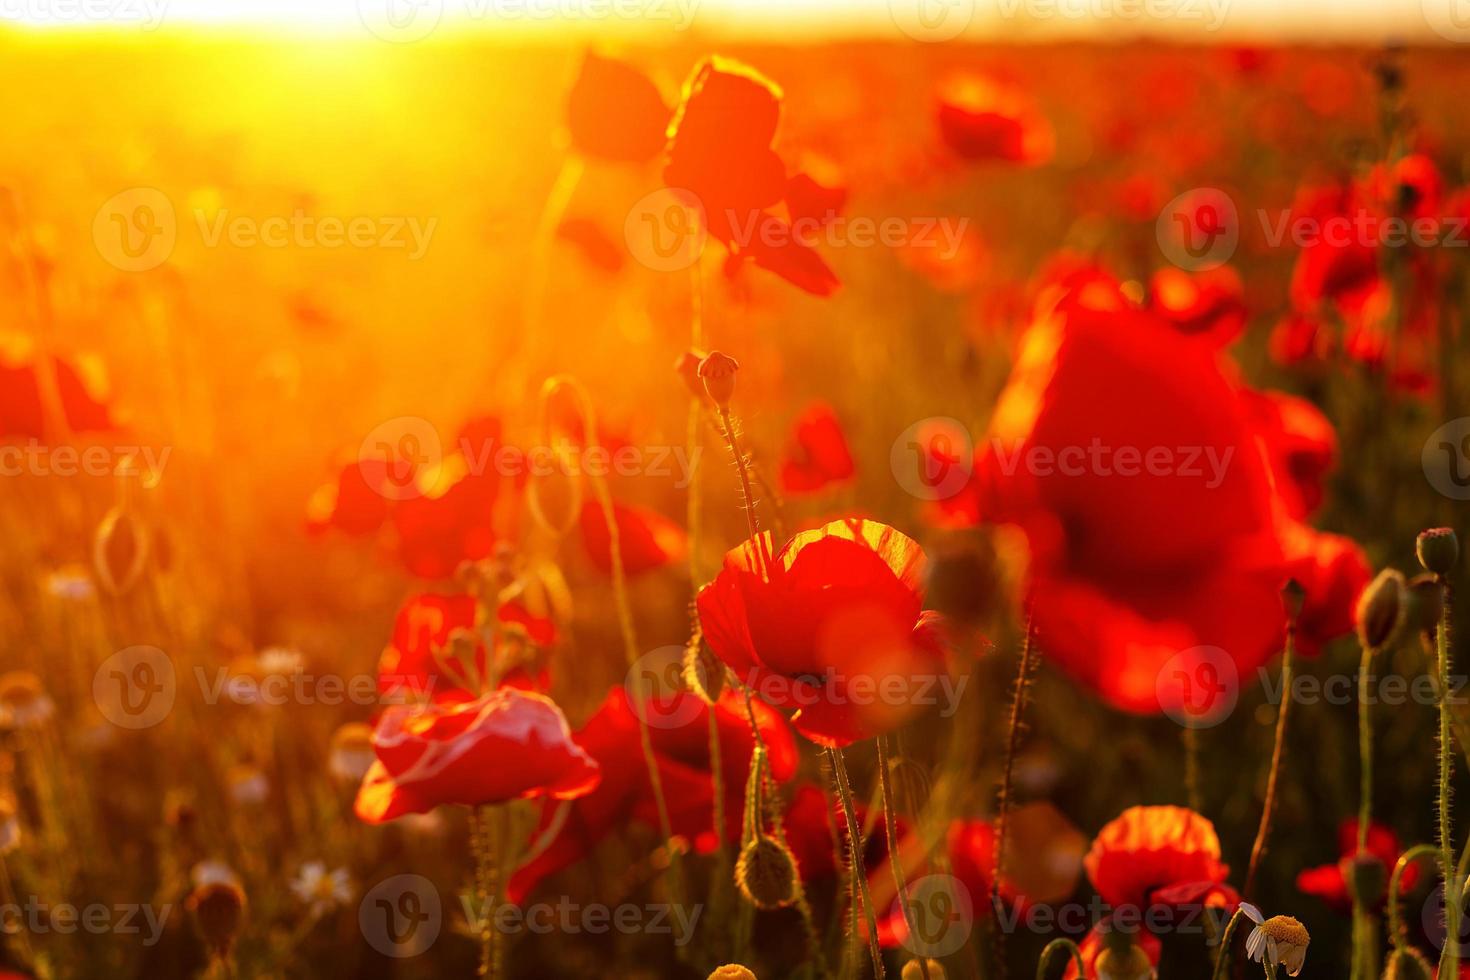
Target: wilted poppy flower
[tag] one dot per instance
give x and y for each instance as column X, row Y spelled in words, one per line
column 817, row 455
column 831, row 624
column 1149, row 848
column 1209, row 304
column 1330, row 884
column 504, row 746
column 23, row 401
column 719, row 150
column 615, row 112
column 420, row 661
column 983, row 118
column 646, row 539
column 678, row 726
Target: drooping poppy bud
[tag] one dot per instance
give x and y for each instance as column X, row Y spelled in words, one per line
column 1438, row 550
column 1366, row 878
column 119, row 551
column 718, row 373
column 766, row 873
column 1381, row 609
column 218, row 908
column 704, row 673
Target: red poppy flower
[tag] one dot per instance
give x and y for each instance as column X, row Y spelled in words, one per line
column 22, row 405
column 446, row 523
column 831, row 624
column 615, row 112
column 817, row 456
column 982, row 118
column 356, row 503
column 1328, row 882
column 646, row 539
column 413, row 665
column 720, row 151
column 812, row 200
column 1208, row 304
column 594, row 244
column 679, row 729
column 504, row 746
column 1149, row 848
column 1299, row 338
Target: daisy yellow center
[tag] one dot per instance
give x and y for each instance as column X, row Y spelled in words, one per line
column 1285, row 929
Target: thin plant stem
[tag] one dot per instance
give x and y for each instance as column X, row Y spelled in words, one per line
column 1449, row 962
column 1223, row 960
column 895, row 857
column 1002, row 820
column 855, row 849
column 7, row 895
column 1192, row 796
column 1060, row 945
column 1395, row 883
column 1365, row 807
column 483, row 835
column 1278, row 753
column 747, row 497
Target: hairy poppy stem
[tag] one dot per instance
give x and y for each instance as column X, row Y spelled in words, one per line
column 1222, row 961
column 895, row 857
column 1002, row 820
column 747, row 497
column 1060, row 945
column 1278, row 754
column 486, row 843
column 855, row 848
column 1396, row 931
column 1449, row 962
column 1365, row 809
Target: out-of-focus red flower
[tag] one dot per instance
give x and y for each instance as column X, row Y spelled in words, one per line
column 956, row 269
column 678, row 726
column 981, row 118
column 1341, row 263
column 1148, row 848
column 504, row 746
column 1328, row 881
column 1299, row 338
column 646, row 539
column 23, row 412
column 615, row 112
column 826, row 624
column 355, row 503
column 1209, row 304
column 448, row 522
column 1129, row 459
column 419, row 662
column 817, row 455
column 719, row 150
column 594, row 244
column 1301, row 446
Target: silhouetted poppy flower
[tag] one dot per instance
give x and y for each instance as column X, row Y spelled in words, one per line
column 23, row 410
column 355, row 503
column 615, row 112
column 504, row 746
column 419, row 661
column 983, row 118
column 831, row 624
column 678, row 725
column 817, row 455
column 594, row 244
column 1330, row 884
column 646, row 539
column 719, row 150
column 811, row 200
column 1208, row 304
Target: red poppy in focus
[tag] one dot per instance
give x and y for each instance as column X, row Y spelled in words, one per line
column 1329, row 883
column 719, row 150
column 1149, row 848
column 646, row 539
column 505, row 746
column 615, row 112
column 678, row 725
column 1208, row 304
column 827, row 625
column 23, row 399
column 420, row 661
column 981, row 118
column 818, row 455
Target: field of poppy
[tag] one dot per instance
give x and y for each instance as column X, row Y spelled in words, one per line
column 477, row 505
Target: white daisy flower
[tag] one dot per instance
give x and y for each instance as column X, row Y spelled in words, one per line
column 322, row 890
column 1279, row 939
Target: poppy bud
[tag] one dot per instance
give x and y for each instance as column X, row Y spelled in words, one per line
column 914, row 970
column 1124, row 963
column 1438, row 550
column 731, row 971
column 1407, row 963
column 686, row 366
column 718, row 373
column 1426, row 602
column 1293, row 597
column 1366, row 878
column 119, row 551
column 704, row 673
column 1381, row 609
column 766, row 873
column 219, row 911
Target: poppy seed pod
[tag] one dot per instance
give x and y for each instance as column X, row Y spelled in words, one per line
column 686, row 366
column 766, row 873
column 119, row 551
column 1438, row 550
column 717, row 371
column 914, row 970
column 1407, row 964
column 1293, row 597
column 704, row 673
column 731, row 971
column 1381, row 609
column 219, row 911
column 1366, row 878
